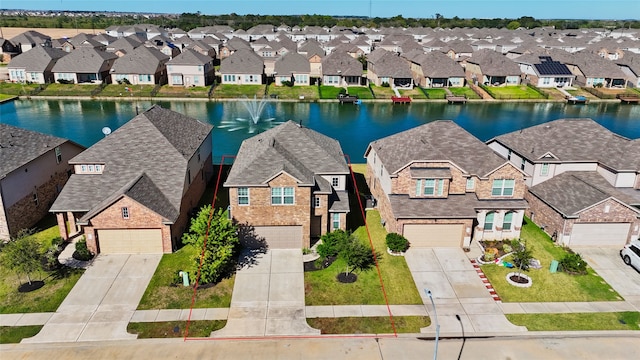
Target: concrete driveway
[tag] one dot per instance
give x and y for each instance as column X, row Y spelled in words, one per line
column 102, row 302
column 457, row 290
column 609, row 265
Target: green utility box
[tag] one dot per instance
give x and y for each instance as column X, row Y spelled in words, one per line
column 554, row 266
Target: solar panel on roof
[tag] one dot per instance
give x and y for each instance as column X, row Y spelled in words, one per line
column 552, row 68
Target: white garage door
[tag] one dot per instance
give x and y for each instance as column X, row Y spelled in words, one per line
column 598, row 234
column 434, row 235
column 278, row 237
column 127, row 241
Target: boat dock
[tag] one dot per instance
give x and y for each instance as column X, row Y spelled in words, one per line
column 453, row 99
column 629, row 98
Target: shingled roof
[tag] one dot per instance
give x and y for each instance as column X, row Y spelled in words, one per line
column 37, row 59
column 190, row 57
column 441, row 140
column 243, row 61
column 289, row 147
column 494, row 64
column 145, row 159
column 292, row 63
column 84, row 60
column 142, row 60
column 339, row 62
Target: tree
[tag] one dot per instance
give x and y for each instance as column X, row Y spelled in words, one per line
column 217, row 237
column 357, row 255
column 513, row 25
column 332, row 243
column 522, row 258
column 22, row 255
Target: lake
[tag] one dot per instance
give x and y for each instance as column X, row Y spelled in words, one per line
column 353, row 125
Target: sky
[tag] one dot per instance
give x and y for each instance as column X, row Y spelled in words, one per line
column 540, row 9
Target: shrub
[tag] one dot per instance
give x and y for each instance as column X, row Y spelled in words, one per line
column 573, row 264
column 65, row 81
column 489, row 254
column 507, row 248
column 50, row 258
column 343, row 91
column 332, row 243
column 357, row 255
column 82, row 253
column 385, row 84
column 397, row 242
column 124, row 81
column 288, row 83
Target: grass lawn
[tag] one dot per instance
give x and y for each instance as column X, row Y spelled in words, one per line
column 580, row 92
column 175, row 329
column 182, row 92
column 5, row 96
column 14, row 334
column 382, row 92
column 361, row 92
column 294, row 92
column 329, row 92
column 17, row 88
column 369, row 325
column 226, row 91
column 464, row 91
column 57, row 284
column 414, row 93
column 577, row 321
column 117, row 90
column 162, row 294
column 68, row 90
column 513, row 92
column 435, row 93
column 548, row 287
column 322, row 288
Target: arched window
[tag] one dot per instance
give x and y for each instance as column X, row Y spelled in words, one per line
column 488, row 221
column 508, row 220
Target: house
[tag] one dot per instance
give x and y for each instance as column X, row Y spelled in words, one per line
column 34, row 65
column 592, row 70
column 29, row 39
column 384, row 67
column 436, row 69
column 33, row 170
column 132, row 191
column 142, row 66
column 233, row 45
column 7, row 50
column 584, row 180
column 492, row 68
column 542, row 71
column 340, row 69
column 289, row 184
column 243, row 67
column 630, row 66
column 292, row 67
column 84, row 65
column 123, row 45
column 440, row 186
column 190, row 68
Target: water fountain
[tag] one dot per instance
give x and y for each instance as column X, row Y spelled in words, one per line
column 254, row 123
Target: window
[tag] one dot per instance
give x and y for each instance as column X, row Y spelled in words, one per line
column 508, row 220
column 488, row 221
column 33, row 76
column 125, row 212
column 84, row 168
column 471, row 183
column 58, row 155
column 335, row 182
column 196, row 80
column 144, row 78
column 176, row 79
column 35, row 198
column 229, row 78
column 524, row 162
column 335, row 221
column 90, row 168
column 509, row 155
column 282, row 196
column 502, row 187
column 544, row 170
column 98, row 168
column 243, row 196
column 429, row 187
column 316, row 201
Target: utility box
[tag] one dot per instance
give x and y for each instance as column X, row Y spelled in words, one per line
column 554, row 266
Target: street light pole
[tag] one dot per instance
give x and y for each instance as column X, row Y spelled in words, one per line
column 435, row 313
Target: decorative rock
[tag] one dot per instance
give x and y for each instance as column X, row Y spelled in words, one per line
column 529, row 280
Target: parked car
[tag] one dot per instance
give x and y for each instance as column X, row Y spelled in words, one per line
column 631, row 254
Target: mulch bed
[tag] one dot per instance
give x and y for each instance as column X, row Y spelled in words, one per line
column 319, row 264
column 519, row 279
column 77, row 256
column 347, row 278
column 26, row 287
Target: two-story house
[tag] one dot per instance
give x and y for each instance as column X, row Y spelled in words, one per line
column 243, row 67
column 289, row 185
column 584, row 180
column 132, row 191
column 440, row 186
column 190, row 68
column 34, row 65
column 142, row 66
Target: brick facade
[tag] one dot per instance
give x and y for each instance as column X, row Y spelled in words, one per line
column 467, row 224
column 507, row 171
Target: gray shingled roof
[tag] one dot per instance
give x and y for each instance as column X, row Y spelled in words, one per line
column 301, row 152
column 574, row 140
column 30, row 37
column 454, row 206
column 494, row 64
column 441, row 140
column 37, row 59
column 341, row 63
column 142, row 60
column 127, row 44
column 572, row 192
column 243, row 61
column 190, row 57
column 385, row 63
column 19, row 146
column 430, row 172
column 438, row 65
column 145, row 159
column 292, row 63
column 84, row 60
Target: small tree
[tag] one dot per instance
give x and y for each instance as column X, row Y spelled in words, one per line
column 522, row 258
column 221, row 247
column 357, row 255
column 22, row 255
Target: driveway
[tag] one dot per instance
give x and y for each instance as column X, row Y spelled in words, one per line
column 609, row 265
column 102, row 302
column 456, row 289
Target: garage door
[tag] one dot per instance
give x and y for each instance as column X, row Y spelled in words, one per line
column 434, row 235
column 126, row 241
column 277, row 237
column 598, row 234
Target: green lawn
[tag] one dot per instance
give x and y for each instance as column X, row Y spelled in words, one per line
column 382, row 92
column 182, row 92
column 17, row 88
column 435, row 93
column 69, row 90
column 163, row 294
column 322, row 288
column 15, row 334
column 226, row 91
column 5, row 96
column 513, row 92
column 175, row 329
column 294, row 92
column 369, row 325
column 548, row 287
column 361, row 92
column 329, row 92
column 414, row 93
column 117, row 90
column 577, row 321
column 464, row 91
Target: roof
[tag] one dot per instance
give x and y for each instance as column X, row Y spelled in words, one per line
column 30, row 37
column 550, row 67
column 19, row 146
column 493, row 63
column 438, row 65
column 243, row 61
column 339, row 62
column 190, row 57
column 133, row 157
column 84, row 60
column 391, row 65
column 142, row 60
column 292, row 63
column 430, row 172
column 581, row 140
column 299, row 151
column 462, row 206
column 441, row 140
column 37, row 59
column 572, row 192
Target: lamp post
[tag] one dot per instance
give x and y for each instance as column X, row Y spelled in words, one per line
column 435, row 313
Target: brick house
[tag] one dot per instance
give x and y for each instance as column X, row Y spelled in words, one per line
column 290, row 184
column 133, row 190
column 439, row 186
column 584, row 180
column 243, row 67
column 33, row 170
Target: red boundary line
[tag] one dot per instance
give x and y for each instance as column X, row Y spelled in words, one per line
column 373, row 251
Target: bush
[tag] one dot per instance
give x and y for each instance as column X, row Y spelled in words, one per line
column 57, row 242
column 397, row 242
column 124, row 81
column 82, row 253
column 573, row 264
column 489, row 254
column 288, row 83
column 50, row 258
column 65, row 81
column 507, row 248
column 332, row 243
column 385, row 84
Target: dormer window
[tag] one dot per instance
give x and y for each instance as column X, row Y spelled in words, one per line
column 429, row 187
